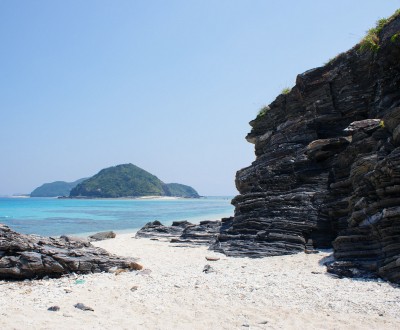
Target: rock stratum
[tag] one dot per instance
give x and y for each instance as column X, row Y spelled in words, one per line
column 327, row 168
column 203, row 233
column 32, row 256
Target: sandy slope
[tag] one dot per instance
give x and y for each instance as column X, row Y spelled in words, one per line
column 174, row 293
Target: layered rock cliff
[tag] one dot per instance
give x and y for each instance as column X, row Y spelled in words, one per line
column 327, row 168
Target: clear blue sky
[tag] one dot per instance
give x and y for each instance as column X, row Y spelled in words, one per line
column 167, row 85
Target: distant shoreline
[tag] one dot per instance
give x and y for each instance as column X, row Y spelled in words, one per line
column 128, row 198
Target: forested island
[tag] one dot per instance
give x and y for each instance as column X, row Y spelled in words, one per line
column 128, row 180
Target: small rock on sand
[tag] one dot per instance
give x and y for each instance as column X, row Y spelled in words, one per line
column 83, row 307
column 212, row 258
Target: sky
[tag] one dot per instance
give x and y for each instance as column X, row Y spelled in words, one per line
column 169, row 86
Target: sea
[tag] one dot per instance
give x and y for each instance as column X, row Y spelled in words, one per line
column 82, row 217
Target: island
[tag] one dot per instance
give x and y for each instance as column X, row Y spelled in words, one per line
column 55, row 189
column 129, row 181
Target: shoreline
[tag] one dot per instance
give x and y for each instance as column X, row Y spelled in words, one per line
column 53, row 217
column 124, row 198
column 133, row 231
column 173, row 292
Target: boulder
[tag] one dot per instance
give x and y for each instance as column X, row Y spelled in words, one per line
column 102, row 236
column 156, row 229
column 182, row 231
column 31, row 256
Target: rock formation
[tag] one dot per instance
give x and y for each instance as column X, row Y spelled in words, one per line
column 102, row 236
column 156, row 229
column 182, row 231
column 31, row 256
column 327, row 165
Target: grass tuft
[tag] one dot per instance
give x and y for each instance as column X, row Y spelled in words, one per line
column 263, row 111
column 371, row 40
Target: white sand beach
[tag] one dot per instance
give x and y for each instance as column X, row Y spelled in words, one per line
column 173, row 292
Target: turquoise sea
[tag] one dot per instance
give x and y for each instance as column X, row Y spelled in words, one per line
column 54, row 217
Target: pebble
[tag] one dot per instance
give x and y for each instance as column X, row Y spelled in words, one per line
column 208, row 269
column 83, row 307
column 212, row 258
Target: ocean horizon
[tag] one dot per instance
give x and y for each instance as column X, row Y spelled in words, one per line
column 82, row 217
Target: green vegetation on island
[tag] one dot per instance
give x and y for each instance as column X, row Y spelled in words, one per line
column 128, row 180
column 180, row 190
column 55, row 189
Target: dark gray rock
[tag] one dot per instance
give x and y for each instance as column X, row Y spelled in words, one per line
column 83, row 307
column 102, row 236
column 208, row 269
column 203, row 233
column 81, row 240
column 32, row 256
column 156, row 229
column 182, row 231
column 182, row 224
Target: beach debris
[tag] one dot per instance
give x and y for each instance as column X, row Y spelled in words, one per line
column 120, row 271
column 135, row 266
column 67, row 290
column 53, row 308
column 212, row 258
column 80, row 281
column 208, row 269
column 83, row 307
column 102, row 236
column 134, row 288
